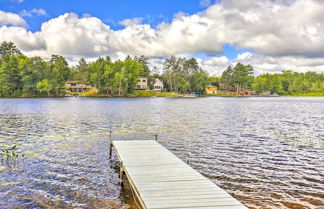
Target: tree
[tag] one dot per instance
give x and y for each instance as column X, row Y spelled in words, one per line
column 183, row 76
column 144, row 62
column 10, row 79
column 9, row 48
column 227, row 78
column 240, row 77
column 214, row 81
column 44, row 86
column 199, row 81
column 59, row 74
column 260, row 85
column 35, row 70
column 82, row 70
column 96, row 72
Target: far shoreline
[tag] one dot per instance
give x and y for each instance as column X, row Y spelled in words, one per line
column 182, row 96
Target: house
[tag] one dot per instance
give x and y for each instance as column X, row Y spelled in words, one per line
column 142, row 84
column 211, row 89
column 75, row 86
column 158, row 85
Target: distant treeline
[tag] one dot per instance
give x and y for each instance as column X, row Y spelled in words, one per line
column 240, row 78
column 22, row 76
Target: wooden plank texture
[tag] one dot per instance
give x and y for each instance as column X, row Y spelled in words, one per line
column 163, row 181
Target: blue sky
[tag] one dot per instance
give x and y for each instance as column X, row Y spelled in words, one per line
column 109, row 11
column 270, row 35
column 112, row 12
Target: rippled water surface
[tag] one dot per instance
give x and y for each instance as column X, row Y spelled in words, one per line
column 266, row 152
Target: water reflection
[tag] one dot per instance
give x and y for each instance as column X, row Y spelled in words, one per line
column 267, row 152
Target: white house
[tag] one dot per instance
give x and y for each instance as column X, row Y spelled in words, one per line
column 158, row 85
column 142, row 84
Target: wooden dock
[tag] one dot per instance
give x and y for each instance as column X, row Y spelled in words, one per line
column 160, row 180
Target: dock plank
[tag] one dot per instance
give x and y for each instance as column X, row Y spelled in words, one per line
column 163, row 181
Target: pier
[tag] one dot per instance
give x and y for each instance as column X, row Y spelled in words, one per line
column 160, row 180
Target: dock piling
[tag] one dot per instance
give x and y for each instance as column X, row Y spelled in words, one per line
column 121, row 174
column 110, row 144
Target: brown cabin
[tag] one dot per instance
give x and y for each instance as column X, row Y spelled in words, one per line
column 76, row 86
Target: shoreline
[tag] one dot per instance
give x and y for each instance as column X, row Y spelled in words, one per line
column 182, row 96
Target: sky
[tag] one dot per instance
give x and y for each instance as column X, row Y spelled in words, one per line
column 271, row 35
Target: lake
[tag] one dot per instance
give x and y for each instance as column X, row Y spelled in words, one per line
column 266, row 152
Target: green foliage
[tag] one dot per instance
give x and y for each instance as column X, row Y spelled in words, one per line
column 184, row 76
column 44, row 86
column 10, row 155
column 144, row 62
column 143, row 93
column 290, row 83
column 239, row 78
column 9, row 48
column 10, row 78
column 22, row 76
column 214, row 81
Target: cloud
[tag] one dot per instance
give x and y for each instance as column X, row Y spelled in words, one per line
column 272, row 27
column 33, row 12
column 205, row 3
column 263, row 63
column 216, row 61
column 25, row 40
column 130, row 22
column 280, row 34
column 69, row 34
column 244, row 56
column 8, row 18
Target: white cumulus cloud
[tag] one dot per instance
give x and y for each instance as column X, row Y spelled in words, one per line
column 8, row 18
column 130, row 22
column 33, row 12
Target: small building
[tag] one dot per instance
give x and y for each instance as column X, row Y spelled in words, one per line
column 142, row 84
column 76, row 86
column 211, row 89
column 158, row 85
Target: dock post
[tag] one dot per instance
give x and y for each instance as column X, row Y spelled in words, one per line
column 187, row 159
column 110, row 145
column 121, row 174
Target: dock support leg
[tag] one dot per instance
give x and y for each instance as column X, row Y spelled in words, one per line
column 121, row 175
column 110, row 145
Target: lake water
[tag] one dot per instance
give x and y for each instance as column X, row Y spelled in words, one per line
column 266, row 152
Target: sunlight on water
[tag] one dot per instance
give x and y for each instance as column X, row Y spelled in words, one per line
column 266, row 152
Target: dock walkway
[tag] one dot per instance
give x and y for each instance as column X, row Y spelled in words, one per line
column 160, row 180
